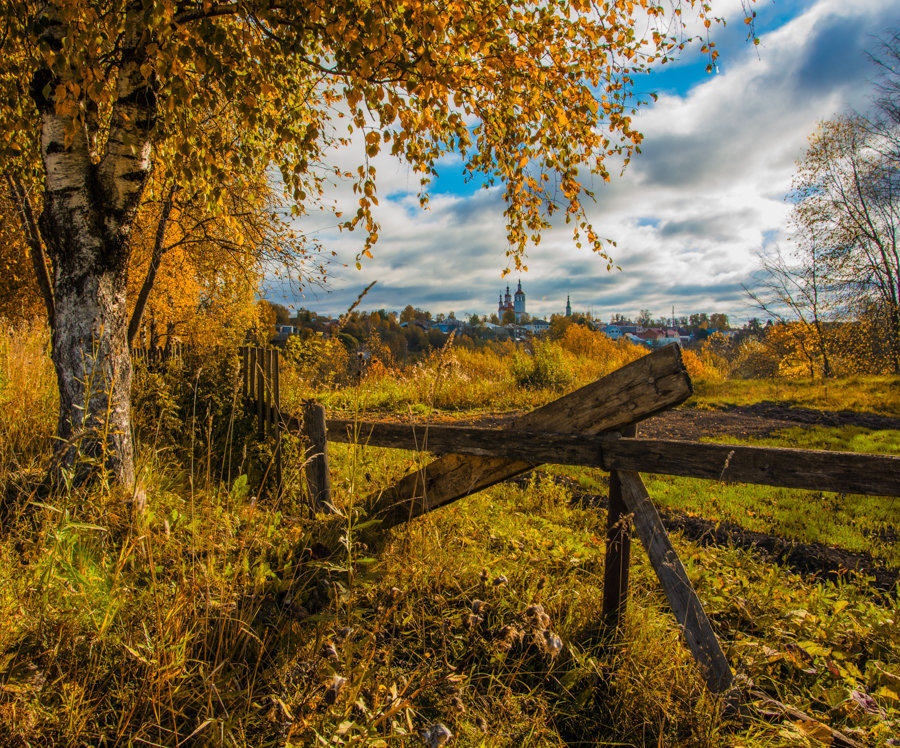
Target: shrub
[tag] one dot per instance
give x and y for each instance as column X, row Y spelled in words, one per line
column 545, row 368
column 317, row 361
column 191, row 404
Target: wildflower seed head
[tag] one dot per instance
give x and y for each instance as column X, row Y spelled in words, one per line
column 553, row 642
column 509, row 637
column 344, row 633
column 470, row 621
column 534, row 610
column 334, row 689
column 436, row 735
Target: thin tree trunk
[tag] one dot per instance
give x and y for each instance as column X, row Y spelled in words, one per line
column 158, row 251
column 35, row 244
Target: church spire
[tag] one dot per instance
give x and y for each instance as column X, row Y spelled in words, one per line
column 568, row 307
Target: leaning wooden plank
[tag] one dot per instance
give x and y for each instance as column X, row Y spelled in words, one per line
column 634, row 392
column 683, row 600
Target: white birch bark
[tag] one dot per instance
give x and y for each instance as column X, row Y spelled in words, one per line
column 86, row 222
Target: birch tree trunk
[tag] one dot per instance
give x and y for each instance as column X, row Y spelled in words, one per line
column 90, row 203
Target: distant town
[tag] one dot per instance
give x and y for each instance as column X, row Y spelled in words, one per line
column 412, row 330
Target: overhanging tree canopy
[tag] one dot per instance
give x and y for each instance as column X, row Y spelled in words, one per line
column 96, row 95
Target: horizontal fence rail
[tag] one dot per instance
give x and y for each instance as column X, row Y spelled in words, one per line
column 816, row 470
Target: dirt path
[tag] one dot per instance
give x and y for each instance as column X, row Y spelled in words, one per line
column 760, row 419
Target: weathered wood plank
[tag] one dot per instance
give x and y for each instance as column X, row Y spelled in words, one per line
column 683, row 600
column 511, row 444
column 252, row 374
column 267, row 391
column 816, row 470
column 260, row 396
column 245, row 364
column 318, row 475
column 617, row 561
column 276, row 418
column 634, row 392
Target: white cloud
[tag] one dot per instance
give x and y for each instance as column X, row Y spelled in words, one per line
column 689, row 215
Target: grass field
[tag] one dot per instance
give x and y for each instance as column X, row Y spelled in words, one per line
column 869, row 394
column 228, row 615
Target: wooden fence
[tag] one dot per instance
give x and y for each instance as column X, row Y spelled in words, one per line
column 594, row 426
column 158, row 355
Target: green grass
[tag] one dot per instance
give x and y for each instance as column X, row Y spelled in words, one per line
column 854, row 523
column 228, row 616
column 868, row 394
column 839, row 438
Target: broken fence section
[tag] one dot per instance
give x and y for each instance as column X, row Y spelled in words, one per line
column 593, row 426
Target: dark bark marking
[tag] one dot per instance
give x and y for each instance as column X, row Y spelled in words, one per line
column 55, row 146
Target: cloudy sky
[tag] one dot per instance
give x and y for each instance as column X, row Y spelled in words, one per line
column 689, row 216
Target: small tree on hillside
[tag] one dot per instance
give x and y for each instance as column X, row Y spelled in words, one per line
column 794, row 290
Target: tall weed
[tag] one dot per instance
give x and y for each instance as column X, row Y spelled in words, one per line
column 28, row 396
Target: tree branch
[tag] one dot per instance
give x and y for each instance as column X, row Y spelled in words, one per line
column 32, row 233
column 192, row 13
column 158, row 251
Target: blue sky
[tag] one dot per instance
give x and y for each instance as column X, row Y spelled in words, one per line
column 691, row 214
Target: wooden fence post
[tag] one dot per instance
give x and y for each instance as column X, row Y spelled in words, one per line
column 245, row 366
column 276, row 414
column 618, row 551
column 260, row 394
column 318, row 478
column 251, row 375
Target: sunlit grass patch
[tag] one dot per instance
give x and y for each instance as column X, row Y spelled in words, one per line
column 28, row 397
column 848, row 521
column 839, row 438
column 869, row 394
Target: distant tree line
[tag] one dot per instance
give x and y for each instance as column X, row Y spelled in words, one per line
column 413, row 332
